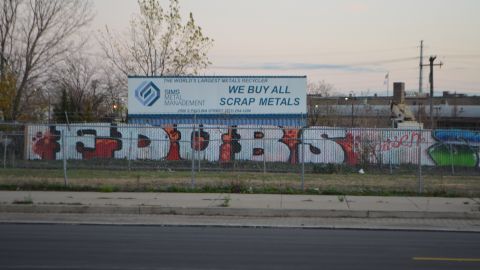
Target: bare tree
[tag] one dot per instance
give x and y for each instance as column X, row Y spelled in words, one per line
column 8, row 16
column 7, row 92
column 158, row 43
column 84, row 90
column 34, row 36
column 321, row 88
column 8, row 19
column 319, row 113
column 113, row 86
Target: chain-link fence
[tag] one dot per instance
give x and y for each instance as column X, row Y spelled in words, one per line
column 313, row 158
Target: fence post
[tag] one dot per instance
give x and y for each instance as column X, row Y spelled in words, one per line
column 303, row 153
column 380, row 151
column 390, row 152
column 130, row 152
column 419, row 158
column 193, row 160
column 5, row 152
column 451, row 159
column 65, row 178
column 303, row 164
column 264, row 151
column 198, row 150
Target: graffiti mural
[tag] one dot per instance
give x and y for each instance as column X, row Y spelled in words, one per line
column 291, row 138
column 103, row 147
column 230, row 145
column 174, row 137
column 225, row 144
column 455, row 147
column 46, row 144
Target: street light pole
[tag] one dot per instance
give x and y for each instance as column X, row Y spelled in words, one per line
column 346, row 104
column 352, row 96
column 352, row 113
column 346, row 101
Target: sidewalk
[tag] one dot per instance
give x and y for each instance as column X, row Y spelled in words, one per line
column 241, row 210
column 245, row 205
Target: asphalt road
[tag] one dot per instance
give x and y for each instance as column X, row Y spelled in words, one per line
column 152, row 247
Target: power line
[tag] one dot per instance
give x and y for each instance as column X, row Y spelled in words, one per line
column 316, row 52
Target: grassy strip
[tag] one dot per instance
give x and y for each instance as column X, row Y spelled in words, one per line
column 238, row 182
column 234, row 189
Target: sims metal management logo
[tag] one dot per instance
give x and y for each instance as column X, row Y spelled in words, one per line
column 147, row 93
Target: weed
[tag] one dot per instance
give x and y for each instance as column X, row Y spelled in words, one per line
column 313, row 191
column 226, row 201
column 238, row 186
column 341, row 198
column 328, row 168
column 330, row 191
column 107, row 188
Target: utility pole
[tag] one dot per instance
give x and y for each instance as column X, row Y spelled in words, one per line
column 431, row 60
column 420, row 82
column 387, row 81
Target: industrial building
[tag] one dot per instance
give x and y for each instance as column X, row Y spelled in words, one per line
column 450, row 110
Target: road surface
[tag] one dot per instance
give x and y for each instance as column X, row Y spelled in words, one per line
column 50, row 246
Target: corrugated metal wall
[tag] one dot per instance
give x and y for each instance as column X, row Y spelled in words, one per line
column 219, row 143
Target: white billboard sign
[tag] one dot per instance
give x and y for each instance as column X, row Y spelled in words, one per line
column 217, row 95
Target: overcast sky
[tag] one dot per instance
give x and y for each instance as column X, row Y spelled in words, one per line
column 350, row 44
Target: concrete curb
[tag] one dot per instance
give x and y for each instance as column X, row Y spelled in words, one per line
column 225, row 211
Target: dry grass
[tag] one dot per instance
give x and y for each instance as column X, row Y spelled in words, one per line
column 365, row 184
